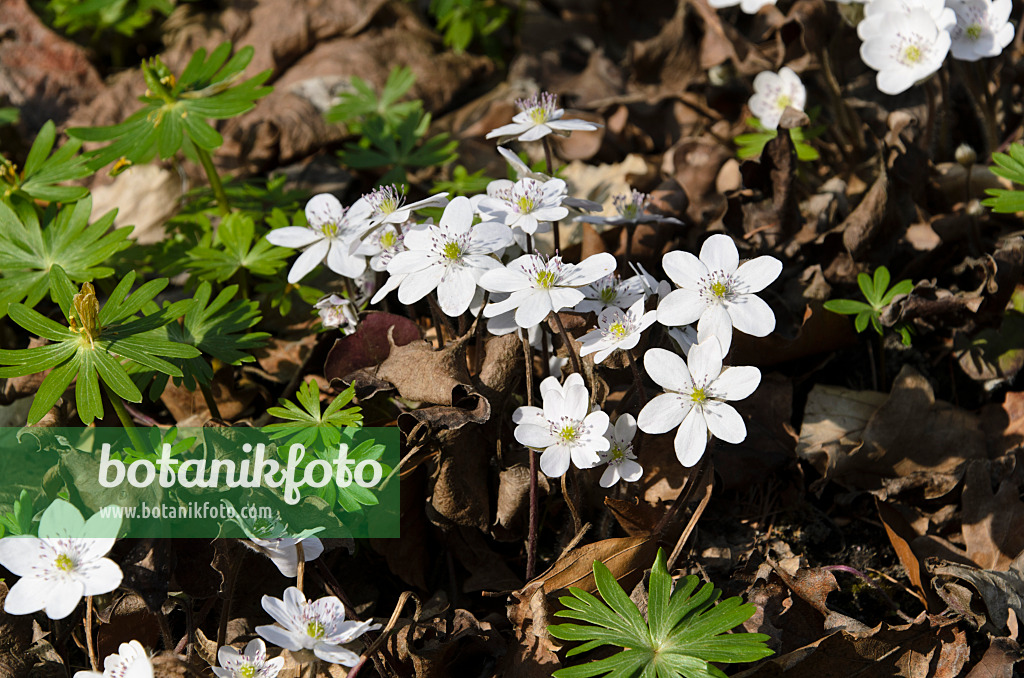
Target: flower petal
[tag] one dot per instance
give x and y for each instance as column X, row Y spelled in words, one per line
column 336, row 654
column 719, row 253
column 751, row 315
column 101, row 576
column 308, row 260
column 555, row 460
column 663, row 413
column 275, row 635
column 684, row 269
column 62, row 597
column 20, row 554
column 419, row 284
column 716, row 323
column 533, row 309
column 668, row 370
column 455, row 291
column 736, row 383
column 457, row 216
column 691, row 438
column 28, row 595
column 680, row 307
column 755, row 275
column 725, row 422
column 705, row 362
column 294, row 236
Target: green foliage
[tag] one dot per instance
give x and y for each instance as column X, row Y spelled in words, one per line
column 1009, row 166
column 233, row 248
column 401, row 149
column 363, row 104
column 462, row 21
column 752, row 145
column 684, row 632
column 42, row 174
column 30, row 249
column 305, row 423
column 463, row 183
column 101, row 16
column 96, row 345
column 874, row 290
column 176, row 109
column 18, row 521
column 9, row 115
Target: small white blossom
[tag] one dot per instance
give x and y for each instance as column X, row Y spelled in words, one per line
column 719, row 293
column 330, row 236
column 905, row 49
column 449, row 257
column 130, row 661
column 338, row 312
column 252, row 663
column 384, row 243
column 694, row 398
column 524, row 172
column 875, row 21
column 982, row 30
column 537, row 287
column 525, row 204
column 317, row 625
column 748, row 6
column 285, row 556
column 610, row 290
column 538, row 117
column 56, row 569
column 617, row 329
column 773, row 92
column 630, row 209
column 564, row 429
column 619, row 455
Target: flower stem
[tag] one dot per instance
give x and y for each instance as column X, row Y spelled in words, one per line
column 229, row 593
column 577, row 524
column 93, row 661
column 549, row 159
column 531, row 539
column 300, row 565
column 124, row 417
column 638, row 380
column 211, row 403
column 568, row 345
column 215, row 183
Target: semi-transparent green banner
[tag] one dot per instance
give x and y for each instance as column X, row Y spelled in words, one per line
column 200, row 482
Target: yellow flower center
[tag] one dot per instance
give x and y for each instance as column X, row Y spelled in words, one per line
column 64, row 563
column 389, row 239
column 525, row 204
column 329, row 229
column 568, row 433
column 699, row 397
column 608, row 295
column 719, row 289
column 452, row 251
column 974, row 31
column 912, row 54
column 619, row 330
column 315, row 629
column 783, row 101
column 247, row 671
column 616, row 453
column 545, row 279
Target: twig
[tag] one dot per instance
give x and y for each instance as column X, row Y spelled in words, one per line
column 382, row 638
column 93, row 661
column 694, row 518
column 225, row 610
column 300, row 566
column 568, row 344
column 576, row 522
column 637, row 379
column 531, row 539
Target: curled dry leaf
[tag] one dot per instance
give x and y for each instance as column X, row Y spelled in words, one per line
column 1001, row 592
column 457, row 644
column 992, row 521
column 370, row 344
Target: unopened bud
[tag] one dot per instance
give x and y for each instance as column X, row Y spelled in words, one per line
column 965, row 155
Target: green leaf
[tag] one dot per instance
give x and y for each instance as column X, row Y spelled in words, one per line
column 684, row 631
column 867, row 288
column 881, row 283
column 43, row 173
column 846, row 306
column 862, row 320
column 902, row 287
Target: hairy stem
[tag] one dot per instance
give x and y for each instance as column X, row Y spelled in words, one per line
column 548, row 157
column 568, row 345
column 229, row 591
column 124, row 417
column 215, row 183
column 531, row 539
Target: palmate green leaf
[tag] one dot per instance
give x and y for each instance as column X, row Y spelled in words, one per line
column 400, row 148
column 96, row 353
column 30, row 249
column 685, row 630
column 1010, row 166
column 305, row 422
column 43, row 173
column 364, row 104
column 176, row 108
column 231, row 249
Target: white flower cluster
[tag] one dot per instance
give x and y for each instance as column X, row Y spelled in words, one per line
column 907, row 40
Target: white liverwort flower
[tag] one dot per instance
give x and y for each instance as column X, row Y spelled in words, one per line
column 524, row 172
column 611, row 290
column 617, row 329
column 252, row 663
column 694, row 398
column 56, row 569
column 317, row 625
column 538, row 287
column 748, row 6
column 338, row 312
column 329, row 237
column 906, row 49
column 717, row 292
column 631, row 209
column 285, row 556
column 130, row 661
column 538, row 117
column 383, row 244
column 982, row 28
column 524, row 204
column 564, row 428
column 773, row 92
column 619, row 455
column 876, row 21
column 449, row 257
column 388, row 206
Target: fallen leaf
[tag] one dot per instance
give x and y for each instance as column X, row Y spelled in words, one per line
column 1002, row 592
column 991, row 522
column 998, row 660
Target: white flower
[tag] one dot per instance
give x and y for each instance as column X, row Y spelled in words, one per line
column 694, row 398
column 524, row 204
column 617, row 329
column 384, row 243
column 538, row 117
column 906, row 49
column 331, row 232
column 449, row 257
column 317, row 625
column 538, row 287
column 130, row 661
column 748, row 6
column 285, row 556
column 982, row 28
column 564, row 429
column 630, row 209
column 252, row 663
column 683, row 337
column 619, row 455
column 387, row 205
column 57, row 569
column 338, row 312
column 875, row 21
column 717, row 292
column 773, row 93
column 523, row 171
column 610, row 291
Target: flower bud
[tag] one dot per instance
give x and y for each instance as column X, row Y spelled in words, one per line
column 965, row 155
